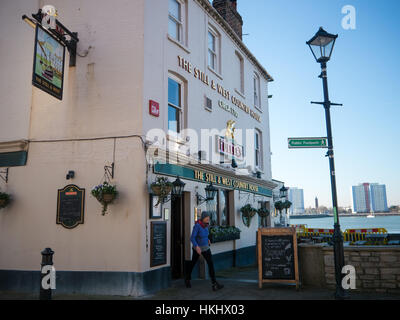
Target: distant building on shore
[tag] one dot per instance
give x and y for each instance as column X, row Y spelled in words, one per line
column 369, row 198
column 316, row 203
column 296, row 197
column 378, row 198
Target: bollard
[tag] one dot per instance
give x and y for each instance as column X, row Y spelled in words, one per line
column 47, row 260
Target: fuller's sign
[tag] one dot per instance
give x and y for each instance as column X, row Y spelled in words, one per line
column 229, row 148
column 48, row 63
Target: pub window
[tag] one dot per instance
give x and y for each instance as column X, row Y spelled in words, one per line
column 240, row 72
column 213, row 50
column 208, row 104
column 174, row 105
column 258, row 149
column 257, row 99
column 175, row 19
column 219, row 209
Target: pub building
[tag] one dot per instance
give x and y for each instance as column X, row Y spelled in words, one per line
column 149, row 77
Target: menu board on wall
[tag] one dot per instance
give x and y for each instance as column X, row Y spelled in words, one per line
column 158, row 246
column 277, row 256
column 70, row 206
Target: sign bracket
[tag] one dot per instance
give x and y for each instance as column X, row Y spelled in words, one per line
column 60, row 32
column 4, row 175
column 330, row 103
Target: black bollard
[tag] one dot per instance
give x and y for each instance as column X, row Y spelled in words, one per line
column 47, row 260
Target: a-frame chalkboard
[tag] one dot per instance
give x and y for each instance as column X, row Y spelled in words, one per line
column 277, row 256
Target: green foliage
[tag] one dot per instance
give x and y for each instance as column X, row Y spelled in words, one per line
column 248, row 210
column 162, row 182
column 105, row 193
column 263, row 212
column 220, row 234
column 5, row 199
column 279, row 206
column 105, row 188
column 287, row 204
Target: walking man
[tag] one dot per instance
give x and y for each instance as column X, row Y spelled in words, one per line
column 201, row 247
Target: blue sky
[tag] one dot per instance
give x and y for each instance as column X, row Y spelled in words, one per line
column 362, row 74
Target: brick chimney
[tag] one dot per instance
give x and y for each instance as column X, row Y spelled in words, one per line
column 228, row 10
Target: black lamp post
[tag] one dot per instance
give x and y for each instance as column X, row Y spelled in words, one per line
column 321, row 46
column 283, row 192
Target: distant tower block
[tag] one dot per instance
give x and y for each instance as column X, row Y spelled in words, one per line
column 316, row 203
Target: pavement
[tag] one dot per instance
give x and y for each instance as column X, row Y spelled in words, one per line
column 240, row 284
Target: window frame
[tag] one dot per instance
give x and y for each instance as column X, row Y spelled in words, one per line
column 180, row 108
column 218, row 208
column 179, row 21
column 216, row 52
column 258, row 150
column 257, row 91
column 240, row 59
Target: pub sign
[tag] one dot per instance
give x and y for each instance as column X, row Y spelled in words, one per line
column 48, row 63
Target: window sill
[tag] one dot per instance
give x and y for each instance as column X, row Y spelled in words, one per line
column 240, row 93
column 259, row 109
column 215, row 72
column 183, row 47
column 177, row 139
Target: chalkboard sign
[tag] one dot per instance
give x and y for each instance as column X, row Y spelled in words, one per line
column 277, row 256
column 158, row 247
column 70, row 206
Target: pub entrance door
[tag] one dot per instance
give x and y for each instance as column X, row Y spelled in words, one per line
column 177, row 238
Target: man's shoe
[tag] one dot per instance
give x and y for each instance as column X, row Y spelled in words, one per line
column 216, row 286
column 188, row 284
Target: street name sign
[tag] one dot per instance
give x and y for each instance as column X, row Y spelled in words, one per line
column 300, row 143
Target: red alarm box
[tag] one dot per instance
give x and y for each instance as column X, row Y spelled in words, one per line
column 154, row 108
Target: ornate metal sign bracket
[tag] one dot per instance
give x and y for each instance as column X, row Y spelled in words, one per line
column 4, row 175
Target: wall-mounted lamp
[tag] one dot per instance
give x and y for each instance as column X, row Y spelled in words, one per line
column 211, row 191
column 177, row 190
column 70, row 175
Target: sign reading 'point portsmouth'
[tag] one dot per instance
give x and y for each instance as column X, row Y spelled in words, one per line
column 297, row 143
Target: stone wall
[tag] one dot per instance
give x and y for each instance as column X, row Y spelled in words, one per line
column 377, row 268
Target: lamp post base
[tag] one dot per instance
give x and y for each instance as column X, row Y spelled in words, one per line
column 338, row 252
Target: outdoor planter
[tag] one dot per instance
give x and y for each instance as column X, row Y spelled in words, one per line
column 4, row 200
column 105, row 194
column 222, row 234
column 248, row 212
column 161, row 188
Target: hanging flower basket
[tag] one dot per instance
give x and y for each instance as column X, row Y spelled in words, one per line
column 248, row 212
column 105, row 193
column 4, row 200
column 263, row 212
column 161, row 188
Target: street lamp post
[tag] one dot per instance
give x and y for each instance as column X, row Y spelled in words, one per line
column 321, row 46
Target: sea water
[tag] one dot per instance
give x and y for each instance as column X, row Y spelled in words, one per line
column 390, row 223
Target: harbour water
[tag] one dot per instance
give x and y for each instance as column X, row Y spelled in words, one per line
column 390, row 223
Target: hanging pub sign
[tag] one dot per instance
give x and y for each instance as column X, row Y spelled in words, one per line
column 70, row 206
column 48, row 63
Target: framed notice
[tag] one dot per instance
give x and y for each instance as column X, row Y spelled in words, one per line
column 166, row 214
column 70, row 206
column 155, row 211
column 48, row 63
column 277, row 256
column 158, row 245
